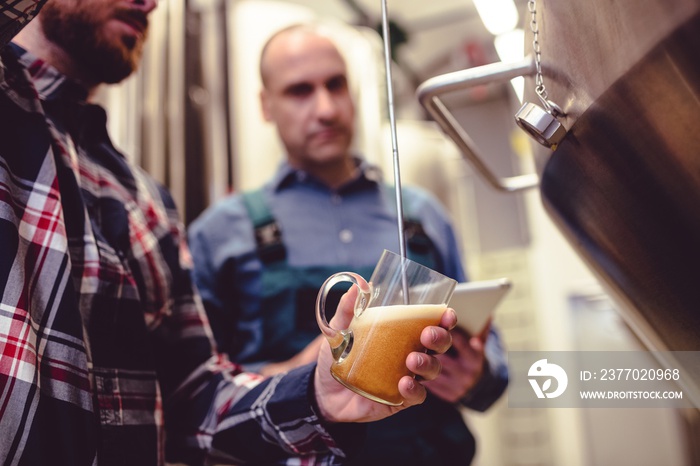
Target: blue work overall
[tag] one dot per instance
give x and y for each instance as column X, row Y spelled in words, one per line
column 429, row 434
column 289, row 293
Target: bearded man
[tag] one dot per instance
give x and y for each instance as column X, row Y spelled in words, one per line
column 106, row 356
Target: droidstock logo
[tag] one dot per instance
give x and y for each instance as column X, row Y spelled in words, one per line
column 546, row 372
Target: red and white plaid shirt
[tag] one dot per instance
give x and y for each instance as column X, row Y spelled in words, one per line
column 104, row 346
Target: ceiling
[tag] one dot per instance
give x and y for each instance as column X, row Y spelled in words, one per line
column 441, row 35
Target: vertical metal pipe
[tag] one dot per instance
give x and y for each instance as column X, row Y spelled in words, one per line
column 394, row 145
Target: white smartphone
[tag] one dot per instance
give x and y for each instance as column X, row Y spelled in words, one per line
column 474, row 302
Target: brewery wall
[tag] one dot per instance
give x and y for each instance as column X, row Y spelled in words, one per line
column 191, row 117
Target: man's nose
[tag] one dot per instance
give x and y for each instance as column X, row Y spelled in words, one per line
column 326, row 106
column 145, row 5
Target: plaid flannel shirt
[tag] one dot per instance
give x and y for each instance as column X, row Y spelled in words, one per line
column 104, row 347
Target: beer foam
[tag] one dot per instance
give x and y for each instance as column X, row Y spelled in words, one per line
column 403, row 312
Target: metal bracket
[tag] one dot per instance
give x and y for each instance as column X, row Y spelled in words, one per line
column 429, row 92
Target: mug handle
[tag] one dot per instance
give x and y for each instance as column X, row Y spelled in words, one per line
column 340, row 340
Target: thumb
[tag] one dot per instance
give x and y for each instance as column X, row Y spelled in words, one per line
column 346, row 309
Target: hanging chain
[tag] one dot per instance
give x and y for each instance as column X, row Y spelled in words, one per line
column 540, row 123
column 539, row 80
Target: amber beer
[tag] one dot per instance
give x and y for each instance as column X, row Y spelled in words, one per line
column 382, row 340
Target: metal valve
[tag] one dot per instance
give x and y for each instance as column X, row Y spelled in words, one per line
column 542, row 125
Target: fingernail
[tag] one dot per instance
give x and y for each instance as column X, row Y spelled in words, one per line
column 411, row 385
column 454, row 316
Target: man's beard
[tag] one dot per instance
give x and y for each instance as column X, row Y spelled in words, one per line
column 78, row 31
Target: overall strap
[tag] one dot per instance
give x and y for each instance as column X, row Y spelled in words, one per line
column 419, row 246
column 268, row 234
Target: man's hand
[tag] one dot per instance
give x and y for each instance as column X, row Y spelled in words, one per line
column 462, row 367
column 338, row 404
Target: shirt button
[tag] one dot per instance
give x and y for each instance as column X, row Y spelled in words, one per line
column 336, row 199
column 345, row 236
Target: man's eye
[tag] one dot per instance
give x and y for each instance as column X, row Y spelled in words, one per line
column 337, row 84
column 300, row 90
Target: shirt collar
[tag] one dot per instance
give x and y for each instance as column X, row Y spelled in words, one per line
column 64, row 100
column 286, row 176
column 47, row 80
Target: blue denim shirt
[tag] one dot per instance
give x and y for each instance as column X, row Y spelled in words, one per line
column 349, row 227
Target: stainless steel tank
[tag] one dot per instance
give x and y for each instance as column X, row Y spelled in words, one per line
column 623, row 185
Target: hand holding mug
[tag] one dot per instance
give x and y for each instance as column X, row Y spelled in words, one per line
column 338, row 404
column 372, row 349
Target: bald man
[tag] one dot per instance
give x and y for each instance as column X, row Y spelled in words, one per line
column 261, row 256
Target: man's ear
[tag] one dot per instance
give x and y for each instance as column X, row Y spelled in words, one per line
column 265, row 105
